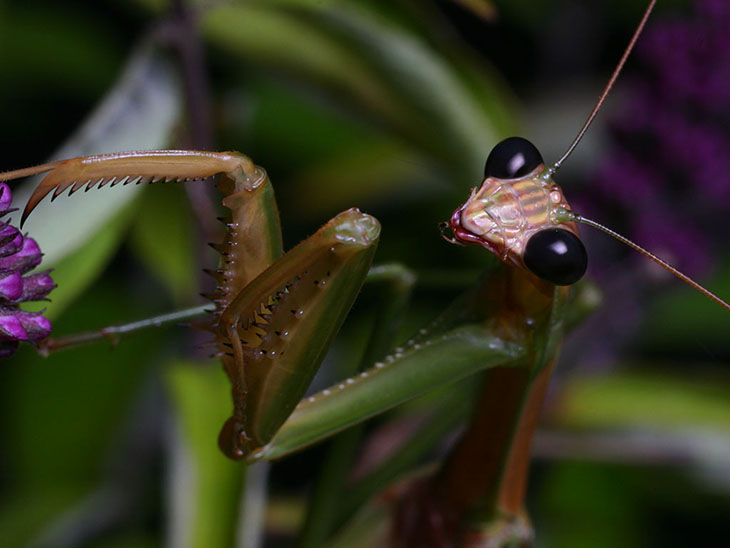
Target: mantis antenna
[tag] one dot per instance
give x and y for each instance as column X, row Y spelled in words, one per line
column 563, row 215
column 578, row 218
column 654, row 258
column 606, row 90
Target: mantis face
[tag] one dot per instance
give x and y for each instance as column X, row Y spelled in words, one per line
column 514, row 215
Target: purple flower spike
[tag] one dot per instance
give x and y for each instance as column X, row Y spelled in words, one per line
column 36, row 326
column 10, row 240
column 36, row 286
column 11, row 286
column 28, row 256
column 11, row 327
column 6, row 198
column 670, row 142
column 18, row 255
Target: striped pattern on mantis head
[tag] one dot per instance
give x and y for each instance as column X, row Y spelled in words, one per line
column 519, row 212
column 514, row 215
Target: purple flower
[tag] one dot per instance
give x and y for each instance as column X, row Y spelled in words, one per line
column 620, row 167
column 18, row 255
column 670, row 141
column 687, row 249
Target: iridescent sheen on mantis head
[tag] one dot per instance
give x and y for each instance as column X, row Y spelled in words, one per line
column 513, row 215
column 520, row 214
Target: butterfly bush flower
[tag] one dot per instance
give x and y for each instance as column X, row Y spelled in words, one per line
column 18, row 255
column 668, row 170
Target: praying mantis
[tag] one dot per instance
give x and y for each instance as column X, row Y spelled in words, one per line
column 268, row 305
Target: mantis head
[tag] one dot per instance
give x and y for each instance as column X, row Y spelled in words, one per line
column 519, row 212
column 514, row 215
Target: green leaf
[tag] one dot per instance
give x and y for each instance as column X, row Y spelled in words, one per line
column 376, row 172
column 71, row 404
column 207, row 487
column 377, row 71
column 77, row 270
column 682, row 317
column 83, row 56
column 648, row 399
column 443, row 116
column 25, row 512
column 139, row 112
column 163, row 239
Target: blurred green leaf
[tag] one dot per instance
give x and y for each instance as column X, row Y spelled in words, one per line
column 375, row 173
column 208, row 505
column 684, row 319
column 368, row 527
column 65, row 410
column 139, row 540
column 139, row 112
column 587, row 505
column 373, row 69
column 653, row 399
column 82, row 55
column 76, row 271
column 25, row 512
column 163, row 239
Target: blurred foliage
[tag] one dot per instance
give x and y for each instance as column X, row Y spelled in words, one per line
column 388, row 106
column 201, row 400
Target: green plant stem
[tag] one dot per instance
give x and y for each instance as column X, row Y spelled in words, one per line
column 114, row 333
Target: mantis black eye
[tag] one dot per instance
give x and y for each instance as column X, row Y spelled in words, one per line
column 556, row 255
column 511, row 158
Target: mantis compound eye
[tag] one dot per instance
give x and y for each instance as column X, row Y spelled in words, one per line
column 556, row 255
column 512, row 158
